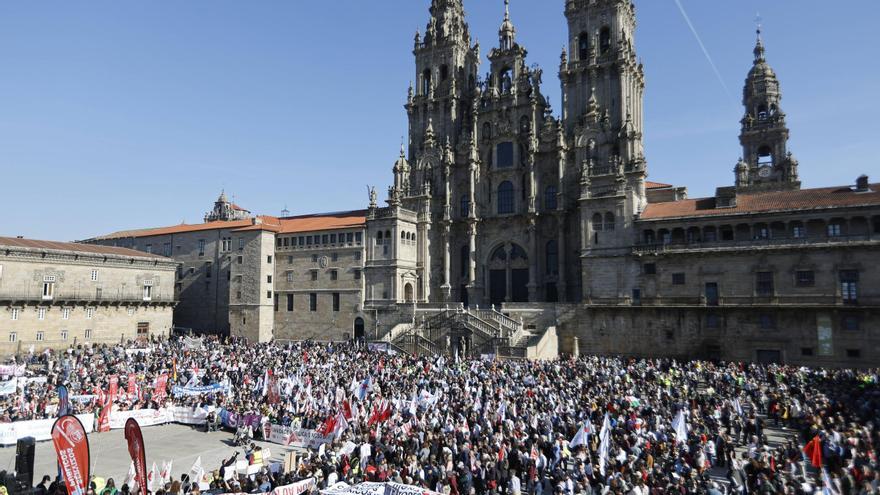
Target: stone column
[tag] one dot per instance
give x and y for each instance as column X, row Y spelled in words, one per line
column 575, row 346
column 447, row 287
column 561, row 285
column 533, row 261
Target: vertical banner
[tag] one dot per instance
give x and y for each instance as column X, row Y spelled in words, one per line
column 132, row 386
column 72, row 447
column 161, row 388
column 104, row 415
column 138, row 454
column 824, row 335
column 114, row 387
column 63, row 401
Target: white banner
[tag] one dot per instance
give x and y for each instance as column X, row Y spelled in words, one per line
column 41, row 429
column 9, row 387
column 370, row 488
column 188, row 415
column 12, row 370
column 297, row 488
column 298, row 437
column 144, row 417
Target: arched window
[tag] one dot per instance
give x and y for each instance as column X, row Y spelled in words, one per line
column 552, row 258
column 550, row 198
column 403, row 236
column 426, row 82
column 518, row 253
column 583, row 46
column 605, row 40
column 598, row 226
column 609, row 222
column 379, row 238
column 465, row 206
column 765, row 155
column 505, row 198
column 388, row 235
column 762, row 112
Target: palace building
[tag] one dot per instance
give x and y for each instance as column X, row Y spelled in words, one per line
column 512, row 230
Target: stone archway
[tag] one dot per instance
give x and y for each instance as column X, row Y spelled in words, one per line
column 359, row 332
column 408, row 295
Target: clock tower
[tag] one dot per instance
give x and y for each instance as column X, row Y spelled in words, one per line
column 766, row 163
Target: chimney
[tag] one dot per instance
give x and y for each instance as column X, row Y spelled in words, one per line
column 862, row 183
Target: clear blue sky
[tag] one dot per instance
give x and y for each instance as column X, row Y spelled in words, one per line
column 123, row 114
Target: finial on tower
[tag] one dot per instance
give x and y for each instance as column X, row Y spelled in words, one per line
column 759, row 44
column 507, row 33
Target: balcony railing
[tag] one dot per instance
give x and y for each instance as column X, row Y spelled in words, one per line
column 86, row 297
column 791, row 300
column 752, row 243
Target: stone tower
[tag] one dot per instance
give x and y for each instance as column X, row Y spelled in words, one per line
column 226, row 211
column 766, row 163
column 603, row 85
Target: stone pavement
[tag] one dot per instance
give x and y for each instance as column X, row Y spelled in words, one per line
column 178, row 443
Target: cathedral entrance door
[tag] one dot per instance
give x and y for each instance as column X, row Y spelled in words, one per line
column 497, row 286
column 520, row 285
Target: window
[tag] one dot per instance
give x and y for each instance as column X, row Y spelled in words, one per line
column 332, row 238
column 315, row 257
column 309, row 240
column 240, row 243
column 268, row 279
column 358, row 237
column 357, row 256
column 583, row 46
column 806, row 351
column 238, row 295
column 13, row 336
column 148, row 249
column 334, row 257
column 336, row 301
column 314, row 275
column 357, row 274
column 226, row 244
column 325, row 239
column 849, row 286
column 678, row 279
column 504, row 152
column 130, row 311
column 805, row 278
column 269, row 260
column 552, row 257
column 762, row 233
column 148, row 292
column 598, row 226
column 240, row 260
column 637, row 297
column 94, row 275
column 712, row 295
column 550, row 193
column 649, row 269
column 88, row 334
column 41, row 313
column 275, row 304
column 764, row 284
column 290, row 302
column 14, row 314
column 850, row 323
column 201, row 247
column 798, row 232
column 833, row 230
column 290, row 277
column 465, row 206
column 89, row 313
column 334, row 275
column 64, row 335
column 313, row 302
column 604, row 40
column 48, row 287
column 767, row 322
column 505, row 198
column 65, row 313
column 853, row 353
column 609, row 222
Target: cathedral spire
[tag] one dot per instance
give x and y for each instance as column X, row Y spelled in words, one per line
column 507, row 33
column 759, row 48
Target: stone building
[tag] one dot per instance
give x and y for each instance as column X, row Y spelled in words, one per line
column 495, row 202
column 57, row 294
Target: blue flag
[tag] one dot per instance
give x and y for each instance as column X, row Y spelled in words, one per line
column 63, row 401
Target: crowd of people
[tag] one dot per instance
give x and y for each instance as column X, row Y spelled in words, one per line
column 460, row 427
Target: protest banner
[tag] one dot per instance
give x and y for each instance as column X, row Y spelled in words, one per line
column 297, row 437
column 40, row 429
column 72, row 448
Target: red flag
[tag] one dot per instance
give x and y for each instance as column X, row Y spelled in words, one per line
column 72, row 446
column 138, row 454
column 346, row 410
column 114, row 387
column 104, row 417
column 328, row 426
column 813, row 449
column 161, row 387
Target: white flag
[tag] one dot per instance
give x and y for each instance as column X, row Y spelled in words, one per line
column 130, row 477
column 197, row 472
column 341, row 425
column 153, row 478
column 582, row 435
column 680, row 427
column 604, row 443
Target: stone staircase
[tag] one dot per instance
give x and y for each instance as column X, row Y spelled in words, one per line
column 472, row 331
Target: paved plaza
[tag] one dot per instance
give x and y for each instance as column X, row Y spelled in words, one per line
column 173, row 442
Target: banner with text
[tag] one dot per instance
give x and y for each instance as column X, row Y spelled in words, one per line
column 40, row 429
column 297, row 437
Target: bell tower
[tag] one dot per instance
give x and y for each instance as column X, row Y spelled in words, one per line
column 766, row 163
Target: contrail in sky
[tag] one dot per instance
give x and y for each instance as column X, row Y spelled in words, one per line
column 690, row 24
